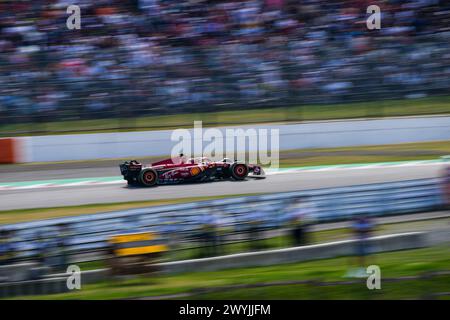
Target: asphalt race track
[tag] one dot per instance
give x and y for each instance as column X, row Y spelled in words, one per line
column 276, row 182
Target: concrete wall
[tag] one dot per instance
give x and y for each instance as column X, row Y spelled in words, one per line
column 292, row 136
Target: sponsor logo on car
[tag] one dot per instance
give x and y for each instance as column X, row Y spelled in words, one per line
column 195, row 171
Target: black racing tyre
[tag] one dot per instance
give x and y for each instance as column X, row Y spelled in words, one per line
column 148, row 177
column 239, row 171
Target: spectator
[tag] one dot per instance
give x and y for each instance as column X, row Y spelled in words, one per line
column 362, row 228
column 255, row 228
column 209, row 235
column 201, row 55
column 7, row 253
column 44, row 246
column 301, row 218
column 62, row 243
column 446, row 182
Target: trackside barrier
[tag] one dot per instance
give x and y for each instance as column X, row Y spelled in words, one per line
column 57, row 283
column 12, row 150
column 34, row 287
column 89, row 233
column 392, row 242
column 16, row 272
column 314, row 134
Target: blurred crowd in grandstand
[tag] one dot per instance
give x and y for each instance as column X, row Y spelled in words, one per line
column 148, row 56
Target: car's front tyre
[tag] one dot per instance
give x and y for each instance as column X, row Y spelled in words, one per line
column 239, row 171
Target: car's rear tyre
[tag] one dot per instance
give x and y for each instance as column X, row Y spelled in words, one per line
column 239, row 171
column 148, row 177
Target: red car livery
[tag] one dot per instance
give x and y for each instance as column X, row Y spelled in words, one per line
column 172, row 171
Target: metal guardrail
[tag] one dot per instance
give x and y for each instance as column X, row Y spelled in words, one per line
column 89, row 233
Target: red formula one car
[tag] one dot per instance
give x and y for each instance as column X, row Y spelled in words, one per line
column 172, row 171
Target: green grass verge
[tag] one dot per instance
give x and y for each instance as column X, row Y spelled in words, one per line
column 365, row 154
column 392, row 264
column 405, row 107
column 410, row 289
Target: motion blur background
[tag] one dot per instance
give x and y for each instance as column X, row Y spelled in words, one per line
column 149, row 57
column 350, row 196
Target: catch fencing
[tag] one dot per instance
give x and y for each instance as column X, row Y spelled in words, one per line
column 182, row 223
